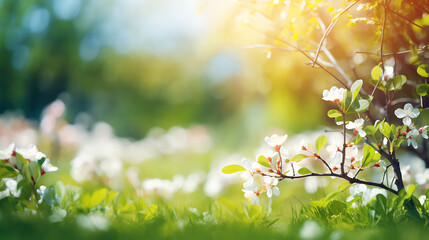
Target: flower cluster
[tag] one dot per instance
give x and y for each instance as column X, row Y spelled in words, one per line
column 24, row 164
column 344, row 159
column 268, row 170
column 411, row 132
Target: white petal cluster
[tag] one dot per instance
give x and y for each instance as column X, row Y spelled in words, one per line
column 252, row 197
column 7, row 153
column 412, row 136
column 31, row 153
column 275, row 140
column 11, row 188
column 271, row 184
column 407, row 113
column 365, row 193
column 357, row 126
column 334, row 94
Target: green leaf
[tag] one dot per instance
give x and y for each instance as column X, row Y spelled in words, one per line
column 298, row 157
column 333, row 113
column 355, row 88
column 376, row 73
column 35, row 170
column 286, row 172
column 368, row 155
column 110, row 197
column 22, row 163
column 8, row 172
column 385, row 129
column 339, row 120
column 423, row 89
column 370, row 130
column 98, row 196
column 336, row 207
column 423, row 70
column 41, row 161
column 397, row 82
column 320, row 142
column 359, row 106
column 233, row 168
column 304, row 171
column 343, row 185
column 264, row 161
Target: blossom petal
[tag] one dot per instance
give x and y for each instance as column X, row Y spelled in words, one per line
column 270, row 193
column 415, row 113
column 400, row 113
column 408, row 107
column 276, row 191
column 406, row 121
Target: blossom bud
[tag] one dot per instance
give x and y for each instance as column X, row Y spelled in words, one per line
column 377, row 165
column 335, row 168
column 304, row 148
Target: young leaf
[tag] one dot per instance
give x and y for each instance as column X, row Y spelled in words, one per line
column 298, row 157
column 263, row 161
column 333, row 113
column 97, row 197
column 336, row 207
column 8, row 173
column 368, row 155
column 423, row 70
column 423, row 89
column 304, row 171
column 385, row 129
column 376, row 73
column 398, row 81
column 370, row 130
column 360, row 106
column 233, row 168
column 343, row 185
column 355, row 88
column 320, row 142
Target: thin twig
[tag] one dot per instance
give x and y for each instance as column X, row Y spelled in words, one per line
column 404, row 18
column 386, row 6
column 324, row 162
column 303, row 53
column 345, row 177
column 388, row 54
column 330, row 27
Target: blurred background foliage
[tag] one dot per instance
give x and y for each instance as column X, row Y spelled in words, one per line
column 140, row 64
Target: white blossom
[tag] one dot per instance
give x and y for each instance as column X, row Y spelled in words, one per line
column 271, row 184
column 31, row 153
column 48, row 167
column 407, row 113
column 357, row 126
column 334, row 94
column 424, row 132
column 275, row 140
column 411, row 138
column 6, row 154
column 252, row 197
